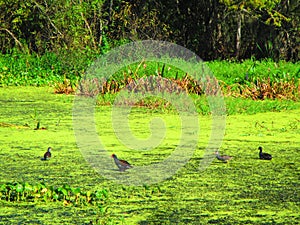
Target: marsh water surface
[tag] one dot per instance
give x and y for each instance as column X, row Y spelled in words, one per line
column 245, row 190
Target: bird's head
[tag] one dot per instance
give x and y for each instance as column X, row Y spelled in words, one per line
column 113, row 156
column 260, row 148
column 49, row 149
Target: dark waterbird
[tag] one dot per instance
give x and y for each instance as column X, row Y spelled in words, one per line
column 121, row 164
column 264, row 155
column 47, row 154
column 223, row 158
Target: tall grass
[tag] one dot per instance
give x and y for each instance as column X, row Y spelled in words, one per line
column 252, row 79
column 34, row 70
column 251, row 70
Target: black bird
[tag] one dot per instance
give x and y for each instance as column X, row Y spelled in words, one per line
column 263, row 155
column 47, row 154
column 121, row 164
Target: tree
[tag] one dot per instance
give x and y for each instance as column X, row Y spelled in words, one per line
column 263, row 10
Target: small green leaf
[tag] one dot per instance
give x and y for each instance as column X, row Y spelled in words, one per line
column 75, row 191
column 19, row 187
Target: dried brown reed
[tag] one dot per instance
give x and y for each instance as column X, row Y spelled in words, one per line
column 264, row 89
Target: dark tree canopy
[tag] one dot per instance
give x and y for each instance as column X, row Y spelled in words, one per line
column 212, row 29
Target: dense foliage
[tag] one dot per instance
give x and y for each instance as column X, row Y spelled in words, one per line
column 212, row 29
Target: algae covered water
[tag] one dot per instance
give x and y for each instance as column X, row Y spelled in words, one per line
column 244, row 191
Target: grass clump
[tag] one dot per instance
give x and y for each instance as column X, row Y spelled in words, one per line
column 257, row 86
column 232, row 72
column 19, row 69
column 247, row 79
column 15, row 192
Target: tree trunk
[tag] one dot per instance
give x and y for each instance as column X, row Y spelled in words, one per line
column 239, row 34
